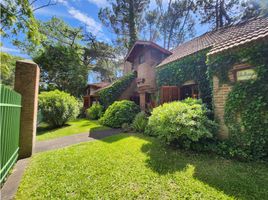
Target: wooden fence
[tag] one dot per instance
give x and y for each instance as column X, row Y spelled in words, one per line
column 10, row 108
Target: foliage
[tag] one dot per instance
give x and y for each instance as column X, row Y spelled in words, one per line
column 121, row 161
column 221, row 13
column 140, row 122
column 110, row 94
column 124, row 18
column 120, row 112
column 101, row 58
column 126, row 127
column 58, row 107
column 55, row 33
column 181, row 122
column 17, row 16
column 62, row 67
column 8, row 64
column 246, row 108
column 192, row 67
column 45, row 132
column 95, row 111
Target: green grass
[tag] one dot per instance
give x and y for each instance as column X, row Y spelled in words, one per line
column 44, row 132
column 137, row 167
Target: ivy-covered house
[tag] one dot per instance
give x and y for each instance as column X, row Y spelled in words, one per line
column 226, row 68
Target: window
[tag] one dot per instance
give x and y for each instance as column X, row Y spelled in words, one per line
column 141, row 59
column 189, row 91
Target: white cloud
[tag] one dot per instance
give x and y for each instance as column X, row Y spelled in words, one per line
column 50, row 12
column 6, row 49
column 91, row 25
column 99, row 3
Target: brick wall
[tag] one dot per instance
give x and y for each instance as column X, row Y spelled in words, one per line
column 27, row 83
column 220, row 93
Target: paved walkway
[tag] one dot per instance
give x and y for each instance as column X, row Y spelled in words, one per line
column 11, row 185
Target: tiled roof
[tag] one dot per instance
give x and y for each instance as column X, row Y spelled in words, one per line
column 222, row 39
column 145, row 43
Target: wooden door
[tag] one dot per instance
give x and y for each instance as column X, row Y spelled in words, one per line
column 169, row 94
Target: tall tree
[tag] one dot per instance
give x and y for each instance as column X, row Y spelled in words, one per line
column 101, row 58
column 254, row 8
column 218, row 13
column 152, row 21
column 54, row 32
column 18, row 16
column 8, row 64
column 123, row 17
column 62, row 68
column 173, row 22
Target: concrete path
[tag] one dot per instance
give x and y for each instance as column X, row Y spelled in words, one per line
column 10, row 187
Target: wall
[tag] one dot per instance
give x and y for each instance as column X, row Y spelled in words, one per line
column 129, row 91
column 220, row 94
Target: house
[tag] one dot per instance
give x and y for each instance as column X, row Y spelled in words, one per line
column 164, row 76
column 90, row 93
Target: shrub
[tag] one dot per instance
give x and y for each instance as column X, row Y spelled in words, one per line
column 58, row 107
column 140, row 122
column 126, row 127
column 120, row 112
column 181, row 123
column 95, row 111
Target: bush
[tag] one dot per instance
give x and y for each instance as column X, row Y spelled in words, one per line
column 140, row 122
column 119, row 112
column 95, row 111
column 58, row 107
column 126, row 128
column 181, row 122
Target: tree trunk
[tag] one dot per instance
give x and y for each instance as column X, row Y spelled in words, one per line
column 132, row 25
column 217, row 14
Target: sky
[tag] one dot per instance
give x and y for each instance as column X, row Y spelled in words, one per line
column 76, row 13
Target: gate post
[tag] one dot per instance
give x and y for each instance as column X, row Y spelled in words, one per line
column 27, row 84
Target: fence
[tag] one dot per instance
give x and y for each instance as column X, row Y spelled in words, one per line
column 10, row 108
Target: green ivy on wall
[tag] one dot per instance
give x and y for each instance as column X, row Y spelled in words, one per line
column 110, row 94
column 192, row 67
column 246, row 108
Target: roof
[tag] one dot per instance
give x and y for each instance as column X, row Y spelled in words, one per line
column 98, row 85
column 140, row 43
column 222, row 39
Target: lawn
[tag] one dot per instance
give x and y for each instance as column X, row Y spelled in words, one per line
column 138, row 167
column 44, row 132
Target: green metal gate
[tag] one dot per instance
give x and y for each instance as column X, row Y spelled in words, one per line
column 10, row 107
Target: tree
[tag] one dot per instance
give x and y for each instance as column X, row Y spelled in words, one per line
column 174, row 23
column 124, row 17
column 177, row 22
column 62, row 68
column 254, row 8
column 18, row 16
column 220, row 13
column 101, row 58
column 54, row 32
column 152, row 19
column 8, row 64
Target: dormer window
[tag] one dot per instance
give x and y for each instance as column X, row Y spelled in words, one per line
column 141, row 59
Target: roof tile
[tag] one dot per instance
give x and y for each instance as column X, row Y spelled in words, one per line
column 222, row 39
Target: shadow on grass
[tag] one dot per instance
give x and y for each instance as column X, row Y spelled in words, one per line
column 44, row 128
column 241, row 180
column 104, row 132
